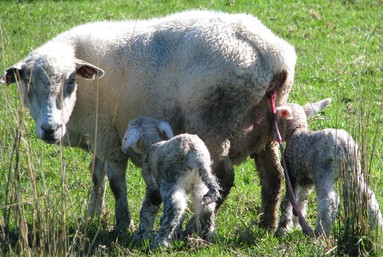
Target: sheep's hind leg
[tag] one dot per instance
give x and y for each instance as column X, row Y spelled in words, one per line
column 271, row 176
column 96, row 203
column 205, row 226
column 148, row 213
column 302, row 194
column 327, row 206
column 224, row 173
column 175, row 203
column 286, row 222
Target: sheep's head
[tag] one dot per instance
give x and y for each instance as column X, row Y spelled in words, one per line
column 143, row 132
column 291, row 117
column 46, row 80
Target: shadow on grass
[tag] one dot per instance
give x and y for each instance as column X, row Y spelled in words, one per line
column 80, row 242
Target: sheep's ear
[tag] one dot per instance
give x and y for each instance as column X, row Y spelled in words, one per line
column 130, row 139
column 313, row 108
column 284, row 112
column 164, row 127
column 87, row 70
column 12, row 74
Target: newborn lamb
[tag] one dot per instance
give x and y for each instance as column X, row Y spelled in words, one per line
column 172, row 169
column 319, row 158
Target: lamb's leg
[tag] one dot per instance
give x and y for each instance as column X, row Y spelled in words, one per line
column 175, row 202
column 224, row 173
column 117, row 182
column 374, row 212
column 286, row 222
column 327, row 204
column 271, row 176
column 205, row 222
column 148, row 213
column 96, row 203
column 302, row 193
column 204, row 213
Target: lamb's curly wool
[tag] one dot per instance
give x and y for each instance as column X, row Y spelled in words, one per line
column 172, row 169
column 319, row 158
column 206, row 73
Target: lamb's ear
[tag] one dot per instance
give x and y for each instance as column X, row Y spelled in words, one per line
column 164, row 127
column 130, row 139
column 313, row 108
column 284, row 112
column 12, row 74
column 87, row 70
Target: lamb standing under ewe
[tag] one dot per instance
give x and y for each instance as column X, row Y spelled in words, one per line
column 171, row 170
column 319, row 158
column 205, row 72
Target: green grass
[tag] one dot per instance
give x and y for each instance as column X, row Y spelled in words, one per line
column 44, row 189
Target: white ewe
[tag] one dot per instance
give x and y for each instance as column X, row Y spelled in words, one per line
column 319, row 158
column 206, row 73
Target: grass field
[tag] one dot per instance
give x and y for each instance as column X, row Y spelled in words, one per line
column 44, row 189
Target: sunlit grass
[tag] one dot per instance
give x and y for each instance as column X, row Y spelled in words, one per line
column 44, row 189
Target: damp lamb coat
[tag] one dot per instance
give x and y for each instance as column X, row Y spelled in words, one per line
column 206, row 73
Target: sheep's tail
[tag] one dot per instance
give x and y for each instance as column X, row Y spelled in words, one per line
column 373, row 209
column 365, row 196
column 210, row 181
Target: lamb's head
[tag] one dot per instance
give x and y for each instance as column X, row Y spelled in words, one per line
column 291, row 117
column 143, row 132
column 46, row 80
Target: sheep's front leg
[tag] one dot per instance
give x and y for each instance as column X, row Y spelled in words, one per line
column 96, row 203
column 117, row 182
column 148, row 213
column 271, row 176
column 175, row 202
column 224, row 172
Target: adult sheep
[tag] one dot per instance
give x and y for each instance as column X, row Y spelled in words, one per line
column 206, row 73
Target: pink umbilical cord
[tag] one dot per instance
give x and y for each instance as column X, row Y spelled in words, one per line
column 290, row 191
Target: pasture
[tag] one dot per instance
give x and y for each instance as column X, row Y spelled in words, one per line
column 45, row 189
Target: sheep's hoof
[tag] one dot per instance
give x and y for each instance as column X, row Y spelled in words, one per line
column 282, row 231
column 191, row 227
column 141, row 235
column 117, row 234
column 159, row 244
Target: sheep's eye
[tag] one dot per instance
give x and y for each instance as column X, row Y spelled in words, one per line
column 70, row 86
column 71, row 81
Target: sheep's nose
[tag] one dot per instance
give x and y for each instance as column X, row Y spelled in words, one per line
column 49, row 129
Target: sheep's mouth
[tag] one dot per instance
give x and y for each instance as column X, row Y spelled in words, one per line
column 53, row 136
column 50, row 139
